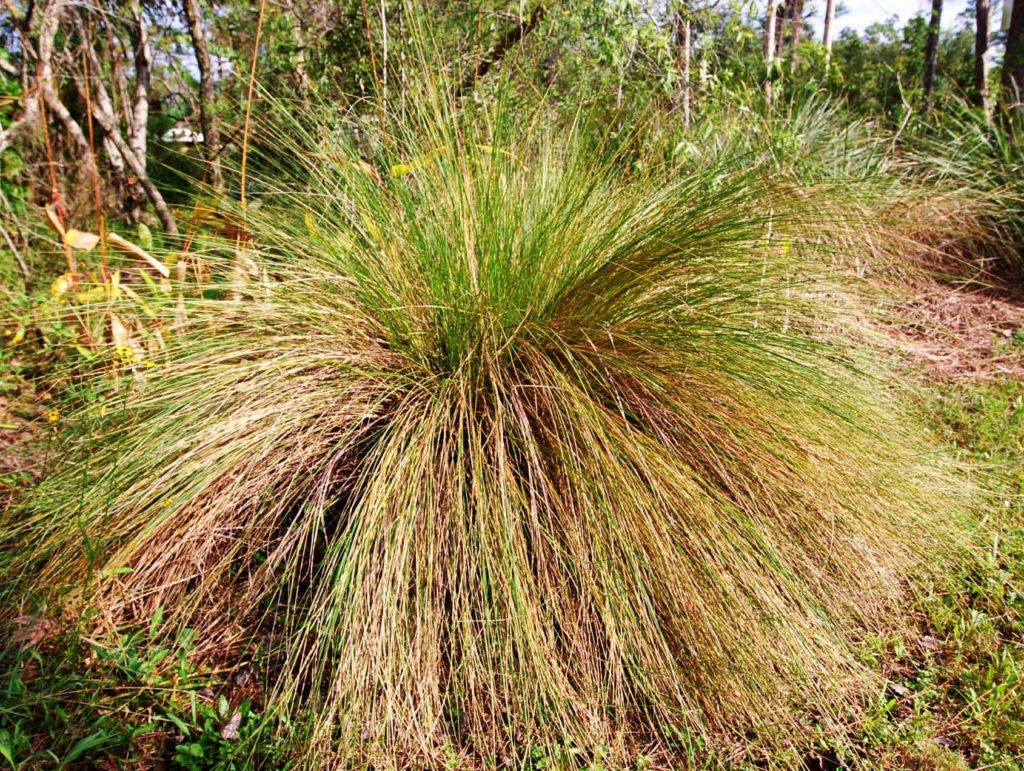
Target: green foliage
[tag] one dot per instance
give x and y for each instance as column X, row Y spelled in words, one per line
column 880, row 72
column 207, row 748
column 962, row 673
column 71, row 701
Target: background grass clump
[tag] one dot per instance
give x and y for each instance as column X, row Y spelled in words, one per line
column 505, row 449
column 981, row 157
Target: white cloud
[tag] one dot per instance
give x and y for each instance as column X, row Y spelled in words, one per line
column 863, row 13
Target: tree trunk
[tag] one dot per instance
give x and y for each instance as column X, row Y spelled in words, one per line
column 982, row 13
column 769, row 45
column 50, row 21
column 1013, row 62
column 134, row 110
column 931, row 52
column 781, row 16
column 139, row 125
column 684, row 54
column 796, row 21
column 119, row 83
column 207, row 94
column 103, row 112
column 830, row 22
column 300, row 61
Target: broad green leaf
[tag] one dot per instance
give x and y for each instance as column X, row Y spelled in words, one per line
column 5, row 747
column 87, row 744
column 145, row 236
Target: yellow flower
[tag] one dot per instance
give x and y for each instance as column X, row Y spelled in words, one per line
column 53, row 415
column 126, row 354
column 149, row 364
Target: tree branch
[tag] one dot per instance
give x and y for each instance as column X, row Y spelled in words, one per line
column 103, row 112
column 511, row 38
column 47, row 34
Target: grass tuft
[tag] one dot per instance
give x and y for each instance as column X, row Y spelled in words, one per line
column 983, row 158
column 501, row 448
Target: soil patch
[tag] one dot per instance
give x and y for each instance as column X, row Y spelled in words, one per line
column 961, row 331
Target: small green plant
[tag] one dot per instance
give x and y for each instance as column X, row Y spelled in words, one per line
column 215, row 742
column 958, row 700
column 71, row 700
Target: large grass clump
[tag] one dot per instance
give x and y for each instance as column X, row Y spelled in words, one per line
column 982, row 157
column 503, row 448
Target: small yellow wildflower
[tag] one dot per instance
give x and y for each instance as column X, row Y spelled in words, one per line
column 126, row 354
column 149, row 364
column 167, row 502
column 53, row 415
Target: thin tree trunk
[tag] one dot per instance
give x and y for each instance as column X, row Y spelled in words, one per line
column 138, row 127
column 50, row 16
column 44, row 74
column 684, row 49
column 134, row 112
column 769, row 45
column 830, row 22
column 931, row 52
column 138, row 113
column 103, row 112
column 300, row 61
column 117, row 76
column 829, row 25
column 982, row 13
column 796, row 21
column 207, row 94
column 781, row 16
column 1013, row 61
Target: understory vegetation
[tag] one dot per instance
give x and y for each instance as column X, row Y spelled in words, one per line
column 554, row 388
